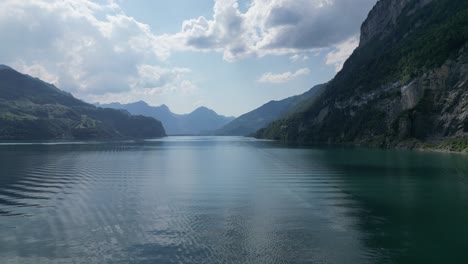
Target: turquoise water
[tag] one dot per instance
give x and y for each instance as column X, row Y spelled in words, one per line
column 229, row 200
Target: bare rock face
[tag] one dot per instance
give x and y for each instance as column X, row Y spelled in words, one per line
column 384, row 15
column 406, row 82
column 437, row 102
column 411, row 94
column 435, row 105
column 429, row 107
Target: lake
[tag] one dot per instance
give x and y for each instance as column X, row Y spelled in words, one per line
column 229, row 200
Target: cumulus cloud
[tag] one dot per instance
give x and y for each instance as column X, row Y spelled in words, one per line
column 298, row 57
column 272, row 27
column 270, row 77
column 341, row 52
column 87, row 48
column 37, row 71
column 150, row 76
column 96, row 51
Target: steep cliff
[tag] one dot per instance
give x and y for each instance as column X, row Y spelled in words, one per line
column 405, row 85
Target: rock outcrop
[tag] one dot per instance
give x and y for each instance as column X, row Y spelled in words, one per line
column 383, row 17
column 406, row 85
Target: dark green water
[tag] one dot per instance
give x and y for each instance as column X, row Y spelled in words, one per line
column 229, row 200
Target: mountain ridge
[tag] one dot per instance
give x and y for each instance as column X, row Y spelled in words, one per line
column 33, row 109
column 260, row 117
column 201, row 120
column 404, row 86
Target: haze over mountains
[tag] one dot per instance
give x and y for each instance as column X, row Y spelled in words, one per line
column 256, row 119
column 201, row 121
column 204, row 121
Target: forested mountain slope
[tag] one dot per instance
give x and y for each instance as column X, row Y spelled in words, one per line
column 405, row 85
column 33, row 109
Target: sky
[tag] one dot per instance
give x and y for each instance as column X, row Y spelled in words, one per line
column 229, row 55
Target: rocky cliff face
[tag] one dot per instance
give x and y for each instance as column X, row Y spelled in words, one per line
column 429, row 107
column 383, row 17
column 435, row 105
column 405, row 85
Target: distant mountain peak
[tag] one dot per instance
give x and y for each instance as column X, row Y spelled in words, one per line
column 204, row 110
column 165, row 107
column 197, row 122
column 141, row 102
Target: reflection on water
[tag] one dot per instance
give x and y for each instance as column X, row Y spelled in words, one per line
column 229, row 200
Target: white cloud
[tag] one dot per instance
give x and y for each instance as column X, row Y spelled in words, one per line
column 271, row 27
column 298, row 57
column 36, row 70
column 151, row 81
column 341, row 52
column 89, row 49
column 198, row 103
column 151, row 77
column 97, row 52
column 270, row 77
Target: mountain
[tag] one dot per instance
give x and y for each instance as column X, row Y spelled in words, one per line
column 256, row 119
column 203, row 120
column 200, row 121
column 33, row 109
column 406, row 85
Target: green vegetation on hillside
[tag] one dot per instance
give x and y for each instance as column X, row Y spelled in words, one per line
column 420, row 42
column 256, row 119
column 33, row 109
column 363, row 103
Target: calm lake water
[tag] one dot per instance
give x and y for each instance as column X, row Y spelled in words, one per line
column 229, row 200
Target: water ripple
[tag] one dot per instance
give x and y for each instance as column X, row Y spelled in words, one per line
column 221, row 200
